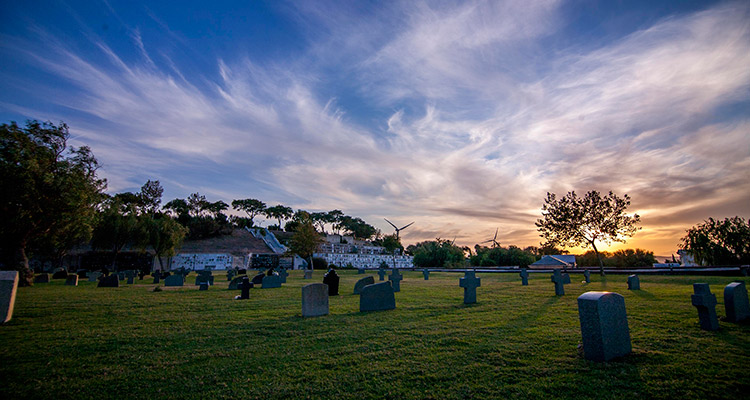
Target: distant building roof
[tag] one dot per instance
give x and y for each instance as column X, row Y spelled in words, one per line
column 561, row 260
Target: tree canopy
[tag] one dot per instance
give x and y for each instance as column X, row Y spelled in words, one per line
column 252, row 207
column 438, row 253
column 719, row 242
column 572, row 221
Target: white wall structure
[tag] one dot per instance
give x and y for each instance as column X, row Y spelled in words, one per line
column 214, row 261
column 366, row 260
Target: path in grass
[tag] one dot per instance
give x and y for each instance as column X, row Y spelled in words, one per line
column 516, row 342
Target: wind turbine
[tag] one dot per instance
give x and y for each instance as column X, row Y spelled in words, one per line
column 493, row 240
column 397, row 228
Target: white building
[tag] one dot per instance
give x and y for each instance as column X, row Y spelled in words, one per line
column 366, row 260
column 214, row 261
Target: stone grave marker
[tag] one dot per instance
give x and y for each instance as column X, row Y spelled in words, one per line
column 109, row 281
column 174, row 280
column 41, row 278
column 604, row 326
column 283, row 274
column 634, row 283
column 231, row 274
column 470, row 283
column 236, row 281
column 735, row 302
column 94, row 276
column 587, row 276
column 705, row 302
column 245, row 286
column 395, row 278
column 566, row 278
column 8, row 287
column 157, row 276
column 368, row 280
column 72, row 280
column 360, row 271
column 308, row 274
column 559, row 285
column 331, row 278
column 426, row 273
column 131, row 280
column 258, row 279
column 376, row 297
column 270, row 282
column 382, row 273
column 203, row 286
column 59, row 273
column 524, row 277
column 314, row 300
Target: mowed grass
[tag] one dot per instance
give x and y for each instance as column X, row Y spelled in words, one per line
column 516, row 342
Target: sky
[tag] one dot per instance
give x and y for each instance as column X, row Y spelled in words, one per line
column 459, row 116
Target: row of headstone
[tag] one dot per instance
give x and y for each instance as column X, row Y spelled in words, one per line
column 736, row 304
column 8, row 287
column 72, row 280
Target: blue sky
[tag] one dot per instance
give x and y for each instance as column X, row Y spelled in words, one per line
column 457, row 115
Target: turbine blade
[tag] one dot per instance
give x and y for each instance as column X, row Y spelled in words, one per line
column 394, row 226
column 407, row 226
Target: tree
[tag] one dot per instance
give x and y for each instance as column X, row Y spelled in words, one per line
column 305, row 240
column 438, row 253
column 118, row 226
column 333, row 217
column 582, row 221
column 357, row 227
column 252, row 207
column 717, row 242
column 164, row 235
column 150, row 196
column 279, row 212
column 48, row 191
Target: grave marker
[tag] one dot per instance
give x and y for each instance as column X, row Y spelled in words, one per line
column 174, row 280
column 314, row 300
column 587, row 276
column 735, row 302
column 236, row 281
column 109, row 281
column 377, row 297
column 130, row 280
column 258, row 279
column 524, row 277
column 245, row 286
column 470, row 283
column 426, row 273
column 41, row 278
column 360, row 271
column 395, row 278
column 283, row 274
column 204, row 286
column 270, row 282
column 566, row 278
column 331, row 278
column 368, row 280
column 604, row 326
column 634, row 283
column 94, row 276
column 382, row 272
column 72, row 280
column 559, row 285
column 308, row 274
column 157, row 276
column 8, row 287
column 705, row 302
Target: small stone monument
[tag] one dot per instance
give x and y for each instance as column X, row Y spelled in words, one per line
column 236, row 281
column 308, row 274
column 131, row 280
column 72, row 280
column 395, row 278
column 360, row 271
column 174, row 280
column 8, row 287
column 566, row 278
column 245, row 286
column 705, row 302
column 587, row 276
column 634, row 283
column 258, row 278
column 470, row 283
column 368, row 280
column 94, row 276
column 382, row 273
column 524, row 277
column 604, row 326
column 314, row 300
column 231, row 273
column 376, row 297
column 270, row 282
column 41, row 278
column 59, row 273
column 559, row 285
column 203, row 286
column 157, row 276
column 109, row 281
column 283, row 274
column 331, row 278
column 736, row 302
column 426, row 273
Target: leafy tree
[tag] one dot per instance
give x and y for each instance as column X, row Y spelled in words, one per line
column 150, row 196
column 633, row 258
column 320, row 219
column 118, row 226
column 719, row 242
column 279, row 212
column 305, row 240
column 163, row 235
column 179, row 209
column 501, row 256
column 252, row 207
column 197, row 204
column 357, row 227
column 391, row 243
column 48, row 192
column 582, row 221
column 438, row 253
column 334, row 217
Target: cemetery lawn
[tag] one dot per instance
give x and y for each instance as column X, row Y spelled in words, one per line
column 517, row 342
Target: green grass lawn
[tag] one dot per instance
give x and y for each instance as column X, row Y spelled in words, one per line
column 516, row 342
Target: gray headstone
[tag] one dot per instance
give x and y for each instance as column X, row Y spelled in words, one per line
column 109, row 281
column 705, row 302
column 270, row 282
column 395, row 278
column 566, row 278
column 426, row 273
column 204, row 278
column 131, row 280
column 587, row 276
column 376, row 297
column 314, row 300
column 368, row 280
column 235, row 283
column 174, row 280
column 308, row 274
column 72, row 280
column 736, row 302
column 8, row 287
column 204, row 285
column 283, row 274
column 41, row 278
column 382, row 272
column 231, row 274
column 470, row 283
column 634, row 283
column 157, row 276
column 524, row 277
column 360, row 271
column 94, row 276
column 245, row 286
column 559, row 283
column 604, row 326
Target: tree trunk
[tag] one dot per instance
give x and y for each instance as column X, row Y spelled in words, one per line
column 25, row 276
column 598, row 256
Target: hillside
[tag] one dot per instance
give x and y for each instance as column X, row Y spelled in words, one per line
column 239, row 243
